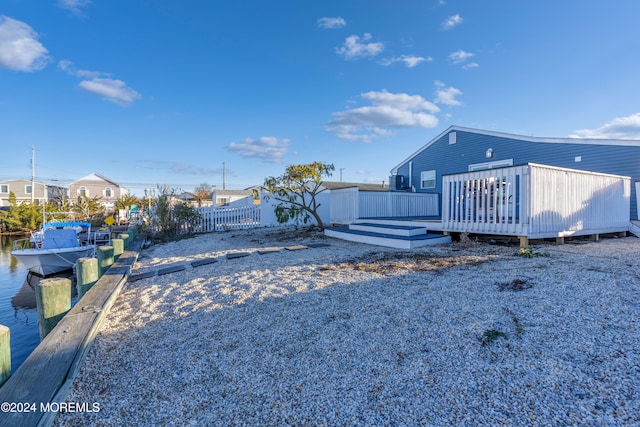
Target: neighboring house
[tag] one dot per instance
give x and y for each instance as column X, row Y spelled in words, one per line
column 332, row 185
column 96, row 185
column 23, row 191
column 236, row 197
column 459, row 149
column 191, row 198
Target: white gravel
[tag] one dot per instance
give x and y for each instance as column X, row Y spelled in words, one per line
column 352, row 334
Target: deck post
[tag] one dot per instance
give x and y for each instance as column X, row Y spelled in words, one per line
column 125, row 238
column 595, row 237
column 559, row 240
column 5, row 354
column 524, row 241
column 105, row 259
column 118, row 248
column 86, row 274
column 53, row 299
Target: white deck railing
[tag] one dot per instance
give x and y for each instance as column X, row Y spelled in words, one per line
column 349, row 204
column 396, row 204
column 535, row 201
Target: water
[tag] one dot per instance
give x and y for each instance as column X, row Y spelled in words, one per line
column 18, row 303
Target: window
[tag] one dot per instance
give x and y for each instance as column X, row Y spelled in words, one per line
column 491, row 165
column 27, row 189
column 4, row 188
column 82, row 191
column 452, row 138
column 428, row 179
column 108, row 192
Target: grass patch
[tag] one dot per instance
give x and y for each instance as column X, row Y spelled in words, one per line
column 514, row 285
column 389, row 263
column 492, row 335
column 530, row 253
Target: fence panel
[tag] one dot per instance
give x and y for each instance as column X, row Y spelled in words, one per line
column 224, row 218
column 344, row 204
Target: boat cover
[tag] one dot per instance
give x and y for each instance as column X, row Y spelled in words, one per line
column 59, row 238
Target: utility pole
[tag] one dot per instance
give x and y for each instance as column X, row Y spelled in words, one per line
column 341, row 169
column 33, row 172
column 224, row 176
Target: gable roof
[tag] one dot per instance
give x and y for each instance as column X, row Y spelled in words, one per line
column 585, row 141
column 96, row 177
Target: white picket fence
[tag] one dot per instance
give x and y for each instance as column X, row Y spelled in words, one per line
column 225, row 218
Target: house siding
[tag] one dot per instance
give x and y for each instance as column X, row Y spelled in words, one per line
column 470, row 148
column 18, row 187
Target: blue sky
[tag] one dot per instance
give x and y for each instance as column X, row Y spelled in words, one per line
column 164, row 92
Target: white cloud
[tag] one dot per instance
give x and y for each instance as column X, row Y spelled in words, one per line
column 471, row 65
column 20, row 49
column 67, row 66
column 101, row 84
column 401, row 101
column 331, row 23
column 388, row 110
column 460, row 56
column 619, row 128
column 353, row 48
column 112, row 90
column 447, row 95
column 409, row 60
column 74, row 6
column 268, row 148
column 451, row 22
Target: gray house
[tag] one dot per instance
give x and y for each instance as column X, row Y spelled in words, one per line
column 24, row 191
column 96, row 185
column 459, row 150
column 485, row 182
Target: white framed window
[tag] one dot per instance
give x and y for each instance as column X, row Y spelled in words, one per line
column 452, row 138
column 428, row 179
column 108, row 192
column 490, row 165
column 82, row 191
column 28, row 189
column 4, row 188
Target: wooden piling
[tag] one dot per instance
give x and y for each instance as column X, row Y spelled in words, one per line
column 53, row 299
column 118, row 248
column 5, row 354
column 86, row 274
column 105, row 259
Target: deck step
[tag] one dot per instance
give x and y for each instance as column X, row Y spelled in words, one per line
column 394, row 230
column 388, row 240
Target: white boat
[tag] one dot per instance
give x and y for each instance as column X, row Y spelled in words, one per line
column 58, row 249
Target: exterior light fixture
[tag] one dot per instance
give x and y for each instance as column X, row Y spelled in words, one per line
column 489, row 153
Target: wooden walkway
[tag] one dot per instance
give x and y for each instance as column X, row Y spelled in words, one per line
column 48, row 373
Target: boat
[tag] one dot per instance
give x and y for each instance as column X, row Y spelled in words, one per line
column 85, row 235
column 57, row 249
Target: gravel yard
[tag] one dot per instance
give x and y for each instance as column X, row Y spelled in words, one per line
column 342, row 333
